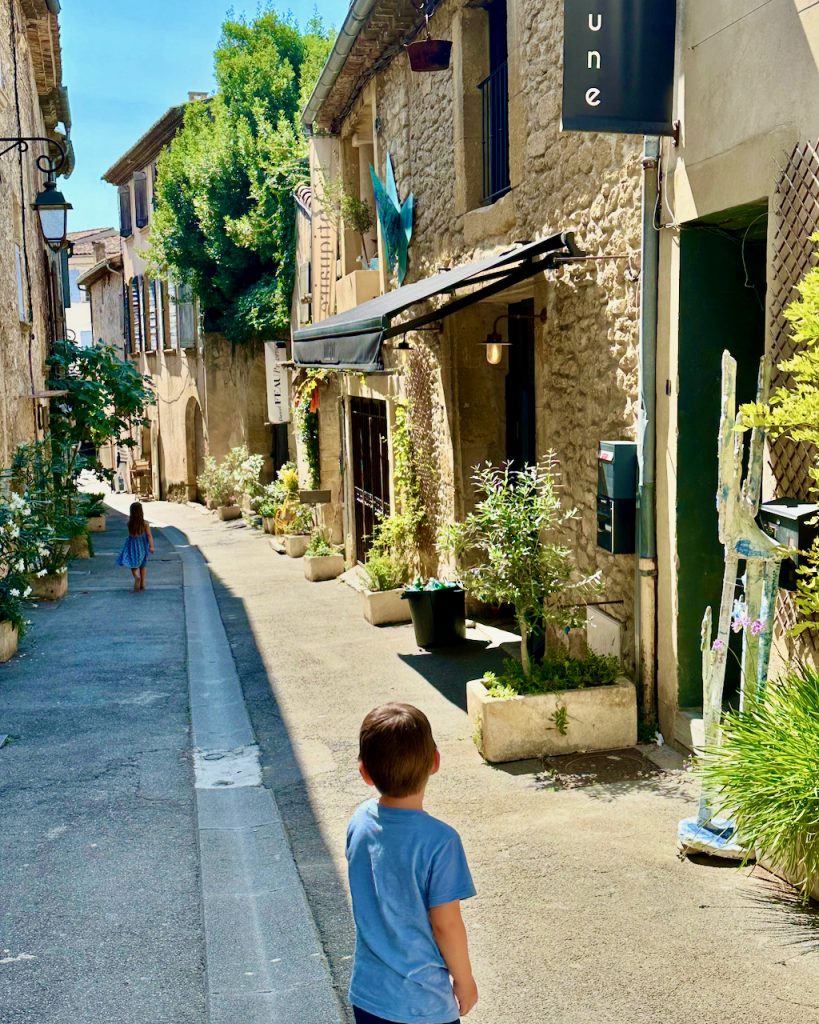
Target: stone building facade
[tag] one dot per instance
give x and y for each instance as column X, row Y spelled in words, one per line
column 210, row 396
column 569, row 378
column 33, row 102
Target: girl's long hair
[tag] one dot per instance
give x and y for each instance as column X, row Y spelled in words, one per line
column 136, row 521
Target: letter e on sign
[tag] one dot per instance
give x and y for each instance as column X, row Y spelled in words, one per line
column 593, row 97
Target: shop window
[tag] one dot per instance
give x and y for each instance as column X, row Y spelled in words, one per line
column 141, row 199
column 126, row 228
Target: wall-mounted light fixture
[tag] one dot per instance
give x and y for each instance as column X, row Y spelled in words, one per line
column 494, row 340
column 50, row 204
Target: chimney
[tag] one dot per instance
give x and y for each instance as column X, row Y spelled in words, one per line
column 194, row 96
column 99, row 252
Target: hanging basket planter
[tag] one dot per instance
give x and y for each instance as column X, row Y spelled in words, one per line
column 429, row 54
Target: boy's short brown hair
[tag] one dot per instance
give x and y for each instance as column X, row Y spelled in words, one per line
column 396, row 747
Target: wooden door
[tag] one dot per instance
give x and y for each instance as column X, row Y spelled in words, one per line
column 371, row 469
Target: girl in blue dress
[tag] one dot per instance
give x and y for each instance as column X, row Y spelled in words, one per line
column 134, row 553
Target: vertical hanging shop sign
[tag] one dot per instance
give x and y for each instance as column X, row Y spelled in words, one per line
column 618, row 66
column 278, row 384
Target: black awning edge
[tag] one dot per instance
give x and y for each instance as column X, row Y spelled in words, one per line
column 353, row 340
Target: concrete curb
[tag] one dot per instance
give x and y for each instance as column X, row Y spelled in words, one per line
column 264, row 959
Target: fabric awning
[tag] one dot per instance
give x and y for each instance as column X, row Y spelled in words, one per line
column 353, row 340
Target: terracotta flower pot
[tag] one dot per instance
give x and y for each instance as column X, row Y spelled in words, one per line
column 429, row 54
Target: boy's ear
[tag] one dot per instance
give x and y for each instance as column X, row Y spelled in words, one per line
column 436, row 761
column 365, row 775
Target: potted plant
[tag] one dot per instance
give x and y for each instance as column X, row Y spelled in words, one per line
column 383, row 576
column 92, row 507
column 297, row 527
column 15, row 540
column 218, row 486
column 510, row 549
column 438, row 610
column 321, row 560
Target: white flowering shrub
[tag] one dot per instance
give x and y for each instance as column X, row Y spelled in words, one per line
column 21, row 541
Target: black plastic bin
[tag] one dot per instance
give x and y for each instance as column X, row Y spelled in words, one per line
column 439, row 616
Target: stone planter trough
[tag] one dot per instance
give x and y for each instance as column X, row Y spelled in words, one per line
column 295, row 544
column 8, row 640
column 51, row 587
column 227, row 512
column 323, row 567
column 96, row 524
column 269, row 524
column 517, row 728
column 385, row 607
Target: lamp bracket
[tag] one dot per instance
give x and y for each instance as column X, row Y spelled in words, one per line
column 47, row 164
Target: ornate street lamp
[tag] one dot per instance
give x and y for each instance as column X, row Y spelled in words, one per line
column 50, row 204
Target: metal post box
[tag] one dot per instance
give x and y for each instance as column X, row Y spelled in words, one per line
column 790, row 523
column 617, row 496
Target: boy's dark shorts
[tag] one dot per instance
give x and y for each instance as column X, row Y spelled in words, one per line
column 362, row 1017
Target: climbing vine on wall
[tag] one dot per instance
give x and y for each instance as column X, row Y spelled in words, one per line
column 423, row 444
column 306, row 421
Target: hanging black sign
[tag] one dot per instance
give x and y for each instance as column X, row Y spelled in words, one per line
column 618, row 66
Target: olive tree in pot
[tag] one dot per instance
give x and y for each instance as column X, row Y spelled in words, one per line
column 511, row 553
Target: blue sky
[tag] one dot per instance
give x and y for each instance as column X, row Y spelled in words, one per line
column 125, row 64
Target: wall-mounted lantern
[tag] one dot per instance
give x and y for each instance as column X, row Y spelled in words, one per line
column 428, row 54
column 495, row 343
column 50, row 204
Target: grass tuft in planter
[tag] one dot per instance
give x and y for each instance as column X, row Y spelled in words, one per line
column 764, row 775
column 552, row 675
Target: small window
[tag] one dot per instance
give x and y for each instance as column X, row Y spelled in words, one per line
column 126, row 228
column 141, row 199
column 21, row 300
column 86, row 339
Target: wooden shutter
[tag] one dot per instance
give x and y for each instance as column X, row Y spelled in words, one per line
column 152, row 333
column 126, row 228
column 187, row 316
column 161, row 312
column 136, row 315
column 173, row 316
column 141, row 199
column 126, row 320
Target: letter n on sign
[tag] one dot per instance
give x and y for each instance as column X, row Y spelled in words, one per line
column 618, row 66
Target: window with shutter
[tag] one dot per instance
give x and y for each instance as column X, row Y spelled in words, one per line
column 161, row 312
column 125, row 226
column 186, row 312
column 136, row 315
column 173, row 316
column 141, row 199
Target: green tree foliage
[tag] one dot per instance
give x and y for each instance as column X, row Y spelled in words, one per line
column 793, row 411
column 224, row 217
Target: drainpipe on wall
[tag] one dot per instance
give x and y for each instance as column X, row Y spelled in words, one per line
column 645, row 633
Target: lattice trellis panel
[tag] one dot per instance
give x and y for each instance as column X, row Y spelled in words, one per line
column 796, row 219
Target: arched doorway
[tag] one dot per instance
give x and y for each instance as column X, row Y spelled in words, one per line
column 194, row 447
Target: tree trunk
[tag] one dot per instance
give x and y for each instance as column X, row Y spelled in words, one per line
column 524, row 646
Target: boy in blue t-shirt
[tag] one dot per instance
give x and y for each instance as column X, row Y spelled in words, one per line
column 408, row 874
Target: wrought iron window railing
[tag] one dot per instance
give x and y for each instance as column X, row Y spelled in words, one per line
column 495, row 121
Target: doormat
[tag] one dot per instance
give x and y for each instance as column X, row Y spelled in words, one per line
column 608, row 767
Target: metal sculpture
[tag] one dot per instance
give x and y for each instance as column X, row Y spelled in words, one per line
column 743, row 540
column 395, row 218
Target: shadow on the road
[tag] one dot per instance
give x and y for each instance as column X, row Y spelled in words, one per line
column 781, row 913
column 449, row 669
column 282, row 773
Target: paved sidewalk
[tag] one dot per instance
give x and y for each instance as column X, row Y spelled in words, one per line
column 100, row 915
column 584, row 913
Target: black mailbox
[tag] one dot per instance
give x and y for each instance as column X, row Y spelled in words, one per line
column 790, row 523
column 617, row 496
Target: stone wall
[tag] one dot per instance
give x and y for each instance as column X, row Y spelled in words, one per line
column 587, row 352
column 23, row 345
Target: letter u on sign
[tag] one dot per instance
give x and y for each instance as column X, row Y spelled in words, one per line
column 595, row 22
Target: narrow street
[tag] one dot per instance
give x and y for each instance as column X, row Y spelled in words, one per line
column 584, row 911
